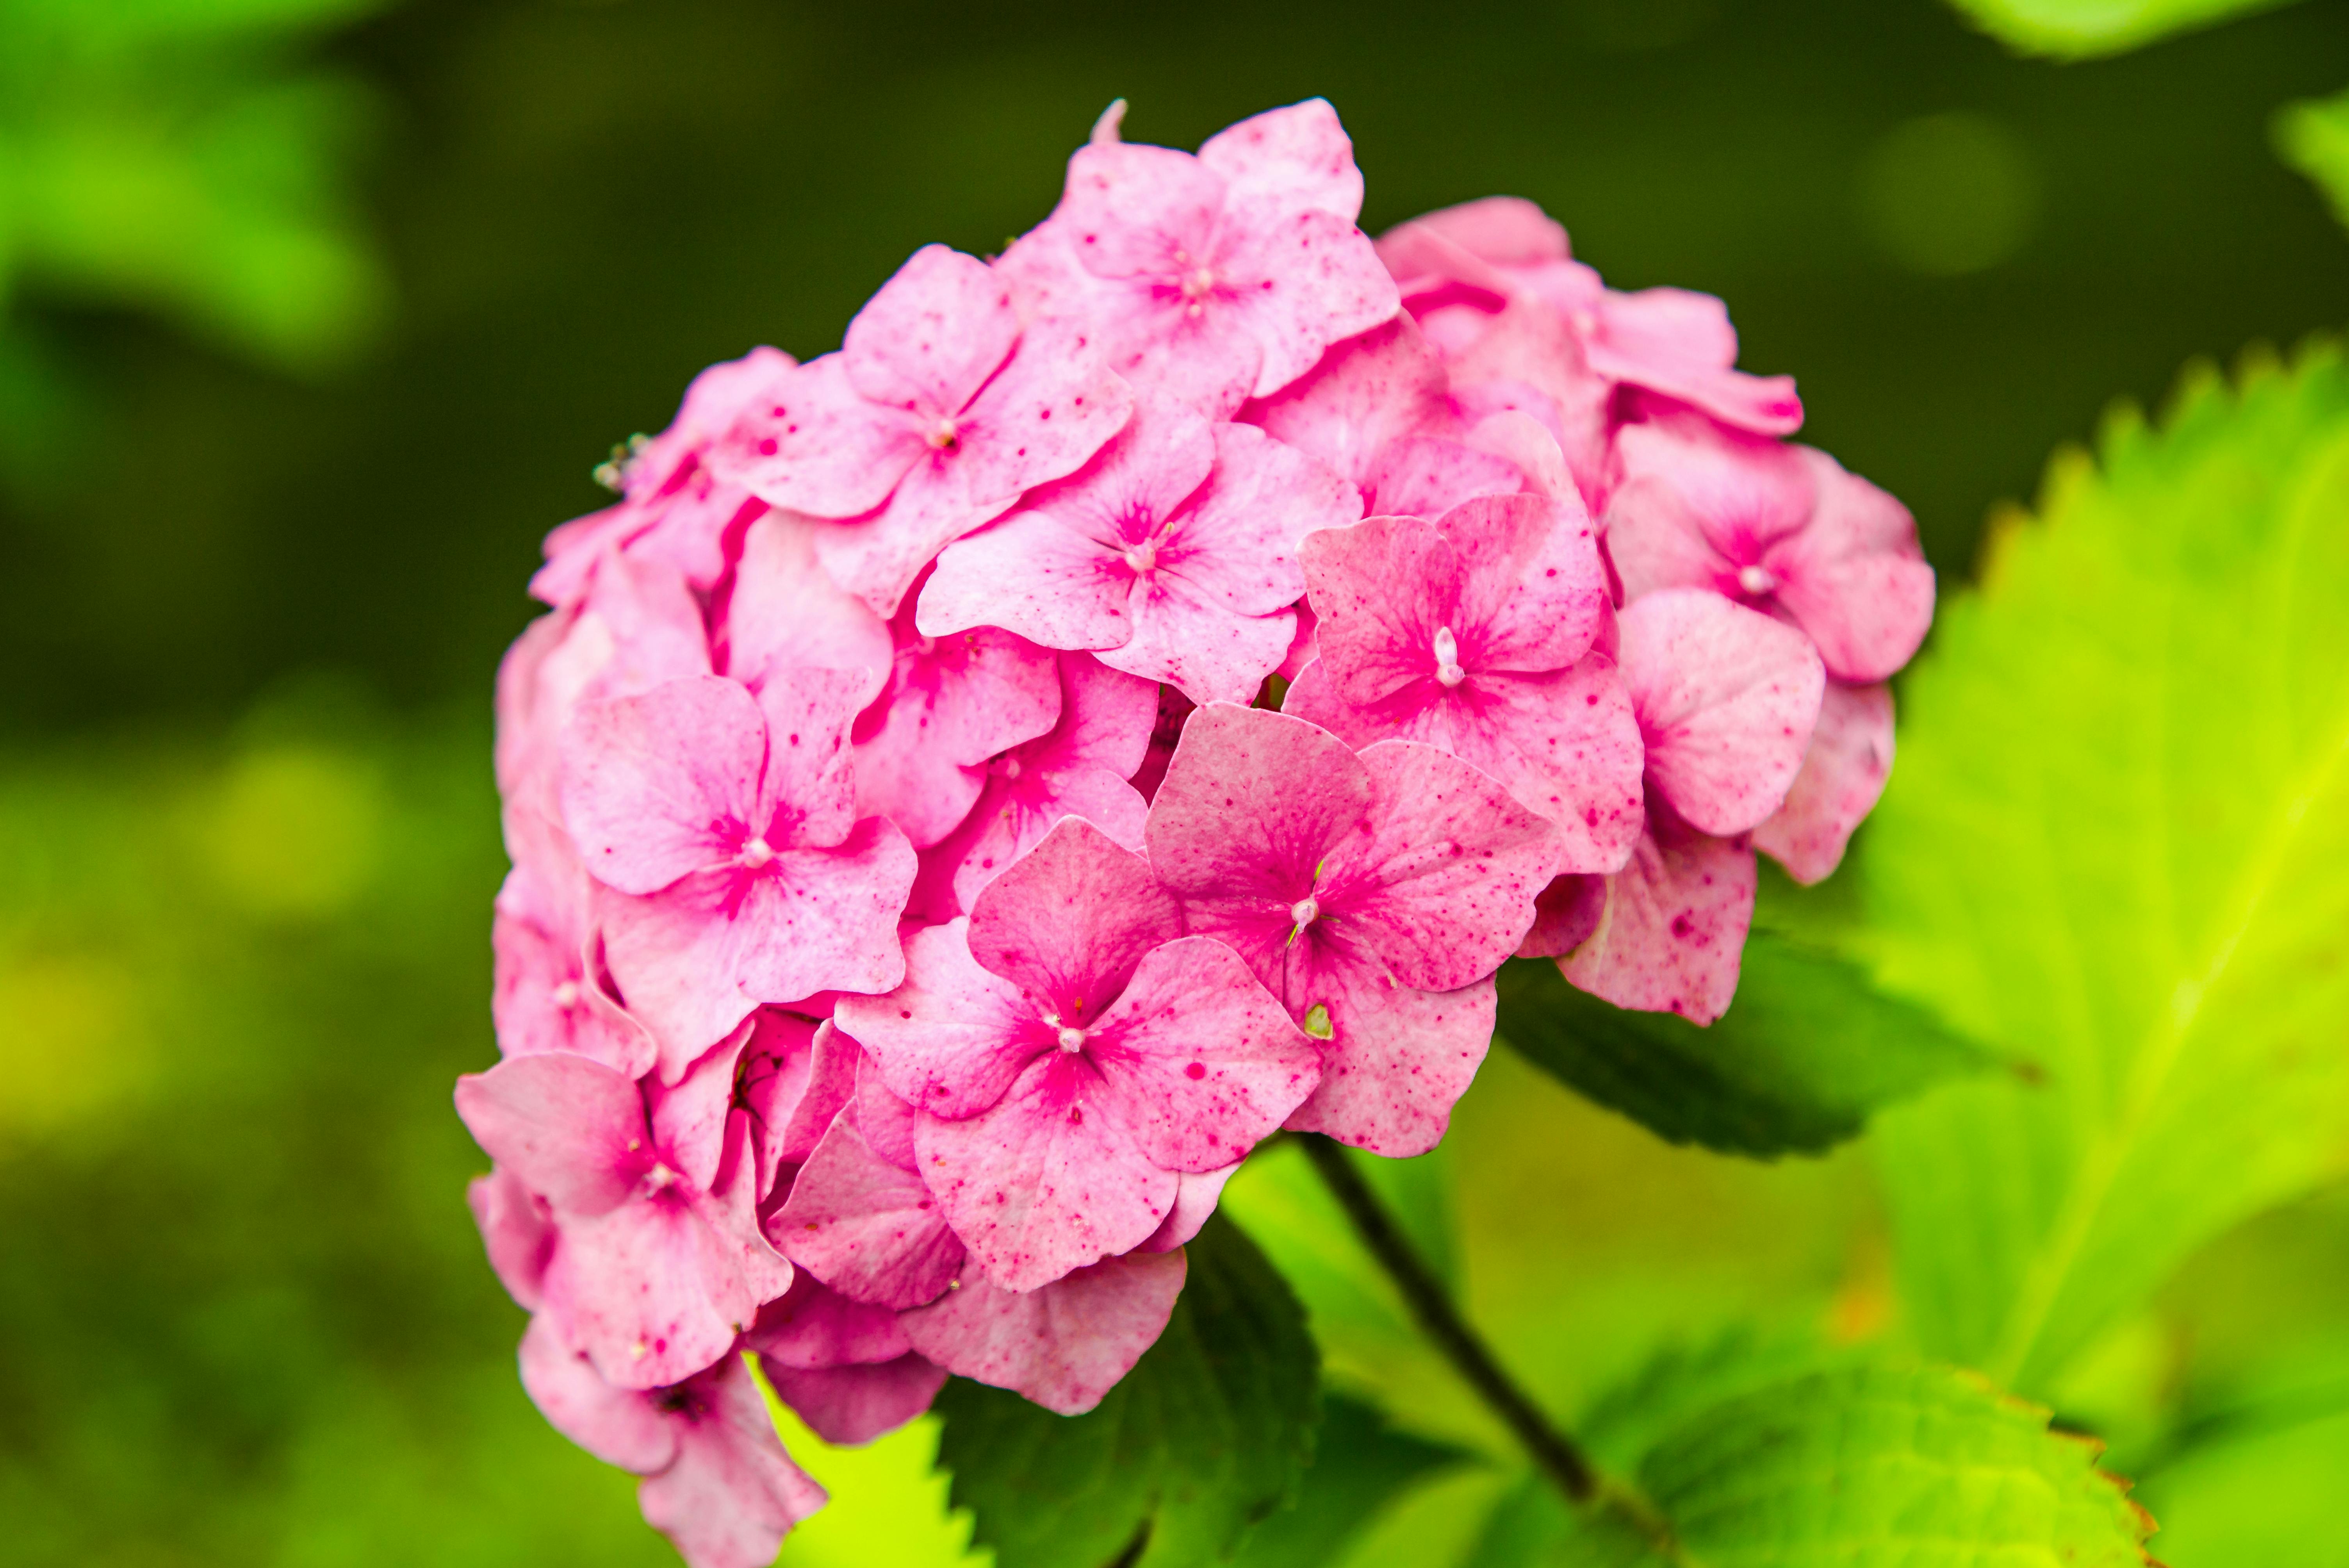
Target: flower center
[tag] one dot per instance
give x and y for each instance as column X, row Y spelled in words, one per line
column 1304, row 912
column 658, row 1177
column 756, row 854
column 566, row 996
column 1447, row 658
column 941, row 436
column 1757, row 580
column 1142, row 556
column 1072, row 1039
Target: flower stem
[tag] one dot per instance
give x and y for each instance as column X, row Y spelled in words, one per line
column 1551, row 1450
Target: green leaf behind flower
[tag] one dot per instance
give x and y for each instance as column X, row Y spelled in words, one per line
column 2120, row 845
column 1806, row 1051
column 2082, row 29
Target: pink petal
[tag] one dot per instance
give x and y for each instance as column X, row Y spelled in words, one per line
column 1046, row 1180
column 732, row 1210
column 953, row 1037
column 1315, row 281
column 1203, row 1061
column 1855, row 579
column 1042, row 418
column 1236, row 540
column 650, row 1291
column 517, row 1233
column 1565, row 915
column 773, row 1088
column 1424, row 477
column 932, row 335
column 1069, row 921
column 1251, row 804
column 1299, row 156
column 1726, row 698
column 815, row 920
column 854, row 1404
column 818, row 446
column 813, row 1327
column 1672, row 930
column 785, row 613
column 1502, row 230
column 1681, row 344
column 1843, row 774
column 648, row 781
column 1697, row 502
column 1442, row 881
column 689, row 1117
column 953, row 703
column 831, row 1082
column 1029, row 573
column 1380, row 590
column 619, row 1426
column 1064, row 1346
column 809, row 779
column 1368, row 393
column 733, row 1494
column 546, row 999
column 1195, row 1196
column 1531, row 579
column 562, row 1124
column 865, row 1228
column 1189, row 640
column 1397, row 1061
column 1127, row 208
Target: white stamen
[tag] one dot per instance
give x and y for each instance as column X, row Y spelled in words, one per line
column 1757, row 580
column 1304, row 912
column 1072, row 1039
column 566, row 996
column 1142, row 556
column 942, row 434
column 756, row 853
column 1447, row 658
column 660, row 1176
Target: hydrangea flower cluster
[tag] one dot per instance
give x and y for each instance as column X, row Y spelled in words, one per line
column 975, row 786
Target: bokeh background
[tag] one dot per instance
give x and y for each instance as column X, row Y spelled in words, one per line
column 315, row 315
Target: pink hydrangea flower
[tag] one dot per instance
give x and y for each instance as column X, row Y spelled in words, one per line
column 674, row 509
column 953, row 702
column 731, row 834
column 1069, row 1052
column 1668, row 341
column 860, row 1217
column 1063, row 1344
column 933, row 418
column 1377, row 410
column 656, row 1261
column 1843, row 775
column 1780, row 529
column 781, row 612
column 1080, row 770
column 716, row 1482
column 1727, row 699
column 1482, row 633
column 553, row 992
column 1375, row 894
column 1173, row 555
column 1216, row 278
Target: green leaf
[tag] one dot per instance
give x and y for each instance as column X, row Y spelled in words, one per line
column 2082, row 29
column 1767, row 1453
column 2119, row 842
column 1359, row 1464
column 2252, row 1478
column 1207, row 1435
column 1809, row 1049
column 1885, row 1466
column 2314, row 137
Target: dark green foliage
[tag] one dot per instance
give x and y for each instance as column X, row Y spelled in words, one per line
column 1806, row 1051
column 1207, row 1436
column 1359, row 1464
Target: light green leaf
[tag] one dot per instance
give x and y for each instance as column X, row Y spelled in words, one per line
column 2082, row 29
column 2314, row 137
column 1748, row 1458
column 1206, row 1437
column 2119, row 842
column 1804, row 1053
column 1881, row 1467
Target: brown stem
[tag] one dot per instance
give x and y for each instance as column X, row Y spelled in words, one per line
column 1551, row 1448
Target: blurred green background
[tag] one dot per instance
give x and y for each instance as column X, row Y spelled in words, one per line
column 315, row 315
